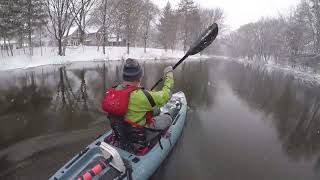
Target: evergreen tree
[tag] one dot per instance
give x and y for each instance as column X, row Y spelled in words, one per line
column 10, row 21
column 34, row 17
column 167, row 28
column 189, row 21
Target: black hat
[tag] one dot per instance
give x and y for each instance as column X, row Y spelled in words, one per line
column 131, row 70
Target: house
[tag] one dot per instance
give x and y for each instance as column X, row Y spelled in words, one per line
column 93, row 37
column 73, row 39
column 4, row 45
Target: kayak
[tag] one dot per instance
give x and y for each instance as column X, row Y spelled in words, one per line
column 102, row 160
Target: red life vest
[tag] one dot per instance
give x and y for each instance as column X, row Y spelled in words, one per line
column 116, row 102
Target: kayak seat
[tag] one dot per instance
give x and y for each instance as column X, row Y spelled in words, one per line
column 135, row 140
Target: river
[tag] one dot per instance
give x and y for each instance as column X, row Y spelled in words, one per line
column 245, row 122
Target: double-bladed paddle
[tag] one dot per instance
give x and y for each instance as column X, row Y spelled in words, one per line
column 206, row 38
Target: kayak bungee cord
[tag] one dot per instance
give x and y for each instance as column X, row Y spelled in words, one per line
column 97, row 169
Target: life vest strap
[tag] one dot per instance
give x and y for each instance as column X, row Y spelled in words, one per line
column 149, row 97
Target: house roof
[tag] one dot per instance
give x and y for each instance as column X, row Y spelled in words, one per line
column 92, row 29
column 89, row 29
column 73, row 29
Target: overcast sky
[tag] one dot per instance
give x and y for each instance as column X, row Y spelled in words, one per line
column 239, row 12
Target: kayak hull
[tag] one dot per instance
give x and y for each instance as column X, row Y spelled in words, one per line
column 142, row 166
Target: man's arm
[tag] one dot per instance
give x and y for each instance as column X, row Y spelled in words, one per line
column 161, row 97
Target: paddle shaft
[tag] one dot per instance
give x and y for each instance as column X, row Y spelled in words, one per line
column 174, row 67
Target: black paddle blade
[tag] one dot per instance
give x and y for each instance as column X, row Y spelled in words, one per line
column 206, row 38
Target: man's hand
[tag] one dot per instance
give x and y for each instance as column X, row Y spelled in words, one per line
column 167, row 70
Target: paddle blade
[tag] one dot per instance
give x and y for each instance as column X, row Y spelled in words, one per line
column 206, row 38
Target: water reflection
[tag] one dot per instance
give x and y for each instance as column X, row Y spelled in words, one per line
column 18, row 107
column 293, row 106
column 45, row 110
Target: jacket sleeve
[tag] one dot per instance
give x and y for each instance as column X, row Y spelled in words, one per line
column 161, row 97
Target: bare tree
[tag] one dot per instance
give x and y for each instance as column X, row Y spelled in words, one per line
column 104, row 16
column 149, row 13
column 104, row 24
column 315, row 10
column 210, row 16
column 80, row 10
column 29, row 17
column 189, row 20
column 312, row 12
column 285, row 37
column 131, row 10
column 61, row 19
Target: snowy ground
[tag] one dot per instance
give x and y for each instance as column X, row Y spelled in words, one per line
column 306, row 74
column 81, row 53
column 91, row 53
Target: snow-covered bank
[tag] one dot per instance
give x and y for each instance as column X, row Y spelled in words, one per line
column 83, row 53
column 306, row 74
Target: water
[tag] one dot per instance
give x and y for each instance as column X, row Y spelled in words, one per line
column 244, row 122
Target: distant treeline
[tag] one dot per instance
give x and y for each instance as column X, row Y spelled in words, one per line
column 140, row 22
column 287, row 36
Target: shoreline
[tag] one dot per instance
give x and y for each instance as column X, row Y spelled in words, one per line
column 87, row 54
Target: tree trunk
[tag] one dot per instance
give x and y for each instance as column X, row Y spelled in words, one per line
column 104, row 27
column 21, row 40
column 128, row 38
column 60, row 47
column 29, row 28
column 10, row 48
column 317, row 9
column 41, row 40
column 81, row 39
column 104, row 43
column 185, row 33
column 5, row 45
column 145, row 45
column 64, row 47
column 118, row 38
column 99, row 43
column 128, row 48
column 104, row 79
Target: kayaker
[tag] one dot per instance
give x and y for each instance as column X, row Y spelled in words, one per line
column 142, row 103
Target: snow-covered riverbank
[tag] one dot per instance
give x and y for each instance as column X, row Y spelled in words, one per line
column 82, row 53
column 306, row 74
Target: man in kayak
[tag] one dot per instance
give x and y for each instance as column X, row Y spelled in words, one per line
column 140, row 103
